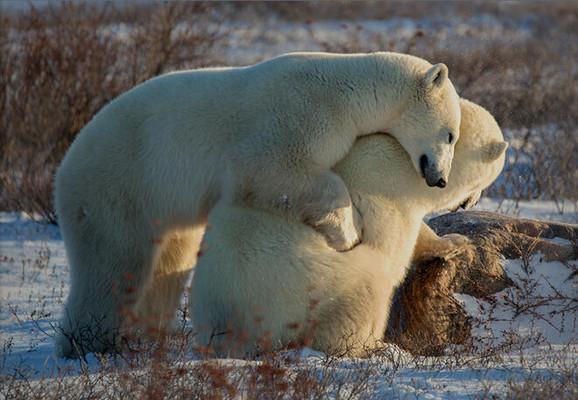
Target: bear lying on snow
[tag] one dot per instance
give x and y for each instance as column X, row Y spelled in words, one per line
column 267, row 281
column 134, row 191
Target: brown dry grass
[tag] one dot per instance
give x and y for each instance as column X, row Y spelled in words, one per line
column 58, row 67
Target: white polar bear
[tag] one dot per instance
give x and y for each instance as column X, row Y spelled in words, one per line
column 266, row 282
column 134, row 190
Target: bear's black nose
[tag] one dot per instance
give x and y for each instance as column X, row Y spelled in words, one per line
column 441, row 183
column 423, row 162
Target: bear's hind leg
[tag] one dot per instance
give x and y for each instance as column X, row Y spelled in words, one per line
column 105, row 287
column 157, row 308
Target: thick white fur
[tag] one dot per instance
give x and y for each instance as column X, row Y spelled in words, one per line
column 136, row 186
column 266, row 281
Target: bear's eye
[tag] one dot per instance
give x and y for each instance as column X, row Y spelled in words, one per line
column 450, row 137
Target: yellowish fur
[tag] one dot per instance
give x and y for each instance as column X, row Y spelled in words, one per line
column 266, row 276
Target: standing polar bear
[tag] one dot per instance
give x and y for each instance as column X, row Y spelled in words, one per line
column 266, row 281
column 134, row 190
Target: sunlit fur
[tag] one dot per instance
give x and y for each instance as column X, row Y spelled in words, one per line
column 264, row 136
column 266, row 281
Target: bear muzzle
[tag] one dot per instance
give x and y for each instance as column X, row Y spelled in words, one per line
column 432, row 175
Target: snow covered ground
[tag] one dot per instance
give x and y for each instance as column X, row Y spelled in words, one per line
column 541, row 342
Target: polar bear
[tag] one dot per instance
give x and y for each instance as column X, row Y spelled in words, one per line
column 134, row 190
column 266, row 281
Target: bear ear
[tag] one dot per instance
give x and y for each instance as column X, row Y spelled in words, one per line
column 495, row 150
column 436, row 75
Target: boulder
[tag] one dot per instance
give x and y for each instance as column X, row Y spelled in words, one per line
column 425, row 317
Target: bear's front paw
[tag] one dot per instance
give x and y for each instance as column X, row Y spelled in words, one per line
column 435, row 247
column 342, row 228
column 457, row 239
column 456, row 244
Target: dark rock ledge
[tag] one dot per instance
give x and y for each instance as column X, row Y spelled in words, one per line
column 425, row 317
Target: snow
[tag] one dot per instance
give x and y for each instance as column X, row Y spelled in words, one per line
column 538, row 340
column 272, row 37
column 540, row 306
column 561, row 211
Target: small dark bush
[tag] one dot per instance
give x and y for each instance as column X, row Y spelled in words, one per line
column 59, row 66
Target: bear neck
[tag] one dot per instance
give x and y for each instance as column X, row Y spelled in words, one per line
column 385, row 82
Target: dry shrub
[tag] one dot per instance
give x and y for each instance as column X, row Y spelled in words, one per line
column 163, row 369
column 60, row 66
column 541, row 164
column 522, row 85
column 561, row 386
column 47, row 98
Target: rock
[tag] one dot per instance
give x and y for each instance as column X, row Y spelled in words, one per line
column 425, row 317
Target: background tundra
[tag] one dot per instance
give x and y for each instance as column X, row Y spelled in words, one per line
column 61, row 62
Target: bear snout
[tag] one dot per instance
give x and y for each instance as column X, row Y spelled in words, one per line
column 431, row 175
